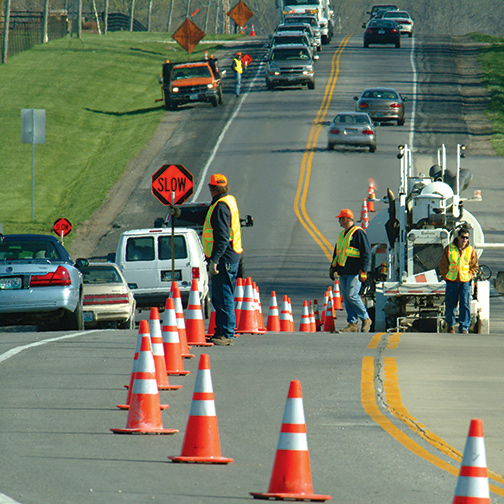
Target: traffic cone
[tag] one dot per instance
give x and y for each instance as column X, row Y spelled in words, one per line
column 248, row 317
column 313, row 326
column 304, row 325
column 291, row 317
column 258, row 308
column 273, row 320
column 324, row 308
column 337, row 296
column 144, row 415
column 364, row 215
column 238, row 299
column 472, row 483
column 179, row 312
column 291, row 476
column 284, row 315
column 171, row 342
column 201, row 440
column 195, row 326
column 253, row 33
column 316, row 313
column 371, row 198
column 329, row 319
column 158, row 353
column 126, row 405
column 211, row 324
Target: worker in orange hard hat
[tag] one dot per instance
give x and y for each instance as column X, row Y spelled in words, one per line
column 222, row 245
column 351, row 261
column 237, row 67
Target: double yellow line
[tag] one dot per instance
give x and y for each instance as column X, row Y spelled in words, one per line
column 306, row 165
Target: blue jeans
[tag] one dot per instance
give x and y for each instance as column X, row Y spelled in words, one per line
column 237, row 83
column 350, row 286
column 223, row 299
column 458, row 293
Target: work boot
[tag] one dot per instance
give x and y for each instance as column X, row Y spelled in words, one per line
column 366, row 325
column 352, row 327
column 451, row 330
column 222, row 341
column 464, row 331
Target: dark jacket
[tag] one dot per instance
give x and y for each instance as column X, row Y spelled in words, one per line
column 354, row 265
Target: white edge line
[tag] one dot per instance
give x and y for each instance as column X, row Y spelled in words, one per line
column 415, row 85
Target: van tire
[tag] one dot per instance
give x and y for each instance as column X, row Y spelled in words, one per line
column 207, row 306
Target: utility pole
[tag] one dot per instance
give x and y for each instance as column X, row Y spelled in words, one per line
column 5, row 51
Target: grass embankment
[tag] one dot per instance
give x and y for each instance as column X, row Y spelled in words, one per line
column 491, row 58
column 99, row 95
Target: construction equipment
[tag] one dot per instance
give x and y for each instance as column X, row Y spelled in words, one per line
column 404, row 291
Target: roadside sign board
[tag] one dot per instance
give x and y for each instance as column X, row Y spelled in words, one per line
column 172, row 179
column 188, row 35
column 240, row 13
column 246, row 59
column 62, row 227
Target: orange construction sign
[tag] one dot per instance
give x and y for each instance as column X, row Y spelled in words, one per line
column 240, row 13
column 188, row 35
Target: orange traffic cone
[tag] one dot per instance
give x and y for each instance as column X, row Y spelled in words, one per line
column 253, row 33
column 171, row 342
column 337, row 296
column 329, row 318
column 313, row 326
column 179, row 311
column 248, row 317
column 304, row 325
column 201, row 440
column 258, row 309
column 158, row 351
column 195, row 326
column 238, row 299
column 316, row 313
column 364, row 215
column 371, row 197
column 292, row 326
column 291, row 476
column 472, row 483
column 324, row 308
column 144, row 415
column 284, row 315
column 273, row 320
column 211, row 324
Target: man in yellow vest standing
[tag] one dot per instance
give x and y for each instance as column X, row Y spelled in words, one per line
column 237, row 67
column 351, row 261
column 222, row 245
column 458, row 265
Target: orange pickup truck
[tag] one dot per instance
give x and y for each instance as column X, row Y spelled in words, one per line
column 194, row 81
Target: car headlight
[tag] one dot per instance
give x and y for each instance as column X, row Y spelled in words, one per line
column 210, row 86
column 308, row 71
column 274, row 72
column 175, row 89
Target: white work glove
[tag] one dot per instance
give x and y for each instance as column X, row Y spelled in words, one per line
column 173, row 210
column 212, row 268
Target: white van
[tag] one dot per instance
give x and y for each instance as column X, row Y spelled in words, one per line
column 144, row 257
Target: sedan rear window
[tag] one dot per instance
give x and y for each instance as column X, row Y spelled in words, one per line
column 100, row 275
column 290, row 54
column 27, row 250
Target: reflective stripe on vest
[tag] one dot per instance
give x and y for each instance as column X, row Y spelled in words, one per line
column 238, row 67
column 235, row 236
column 458, row 263
column 343, row 249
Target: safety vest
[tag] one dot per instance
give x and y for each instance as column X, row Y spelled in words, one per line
column 238, row 67
column 343, row 248
column 459, row 263
column 235, row 236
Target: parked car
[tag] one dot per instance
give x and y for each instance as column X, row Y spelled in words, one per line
column 382, row 104
column 403, row 20
column 309, row 19
column 290, row 66
column 292, row 37
column 39, row 283
column 352, row 128
column 108, row 300
column 380, row 7
column 144, row 257
column 382, row 31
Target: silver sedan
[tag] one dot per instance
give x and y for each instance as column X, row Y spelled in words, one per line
column 352, row 128
column 382, row 104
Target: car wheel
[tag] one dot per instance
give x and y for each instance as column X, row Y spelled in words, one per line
column 128, row 324
column 214, row 101
column 398, row 45
column 311, row 85
column 206, row 306
column 366, row 45
column 172, row 105
column 270, row 86
column 221, row 98
column 372, row 148
column 330, row 146
column 410, row 34
column 74, row 321
column 400, row 122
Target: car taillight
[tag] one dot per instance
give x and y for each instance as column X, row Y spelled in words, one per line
column 363, row 105
column 393, row 31
column 60, row 277
column 196, row 273
column 367, row 131
column 369, row 31
column 106, row 299
column 405, row 22
column 395, row 105
column 334, row 131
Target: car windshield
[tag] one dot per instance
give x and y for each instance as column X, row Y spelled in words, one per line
column 284, row 54
column 396, row 14
column 191, row 72
column 27, row 250
column 291, row 39
column 301, row 2
column 351, row 119
column 295, row 27
column 380, row 94
column 377, row 8
column 100, row 274
column 309, row 20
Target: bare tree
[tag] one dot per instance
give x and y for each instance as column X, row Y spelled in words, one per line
column 132, row 15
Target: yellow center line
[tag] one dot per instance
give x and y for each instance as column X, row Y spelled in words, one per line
column 304, row 176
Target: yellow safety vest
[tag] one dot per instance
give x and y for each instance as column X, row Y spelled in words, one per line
column 343, row 249
column 238, row 65
column 459, row 263
column 235, row 237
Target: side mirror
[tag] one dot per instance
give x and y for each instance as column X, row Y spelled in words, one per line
column 160, row 80
column 81, row 262
column 247, row 221
column 404, row 98
column 223, row 73
column 111, row 257
column 316, row 57
column 363, row 25
column 356, row 98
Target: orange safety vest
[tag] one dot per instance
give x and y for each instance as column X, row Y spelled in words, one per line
column 235, row 237
column 459, row 263
column 343, row 248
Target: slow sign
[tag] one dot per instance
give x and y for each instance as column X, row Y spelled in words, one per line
column 62, row 227
column 172, row 179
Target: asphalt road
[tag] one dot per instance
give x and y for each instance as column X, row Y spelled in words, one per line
column 385, row 414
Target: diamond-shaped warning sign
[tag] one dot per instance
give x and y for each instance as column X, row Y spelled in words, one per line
column 188, row 35
column 240, row 13
column 172, row 184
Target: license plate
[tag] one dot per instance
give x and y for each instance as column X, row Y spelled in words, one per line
column 166, row 276
column 291, row 78
column 381, row 32
column 193, row 97
column 351, row 130
column 88, row 316
column 379, row 114
column 11, row 283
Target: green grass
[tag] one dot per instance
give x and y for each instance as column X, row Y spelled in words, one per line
column 99, row 94
column 491, row 58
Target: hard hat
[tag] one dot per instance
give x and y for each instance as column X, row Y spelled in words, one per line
column 217, row 179
column 238, row 53
column 345, row 213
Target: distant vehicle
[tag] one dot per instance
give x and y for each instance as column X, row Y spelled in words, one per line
column 290, row 66
column 192, row 82
column 144, row 257
column 380, row 7
column 352, row 128
column 382, row 104
column 39, row 283
column 403, row 20
column 292, row 37
column 305, row 27
column 309, row 19
column 108, row 301
column 382, row 31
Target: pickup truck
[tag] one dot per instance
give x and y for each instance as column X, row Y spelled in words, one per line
column 191, row 82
